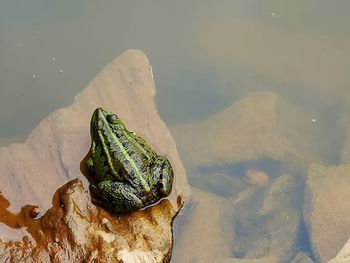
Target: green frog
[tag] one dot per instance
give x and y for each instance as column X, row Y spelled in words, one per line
column 127, row 173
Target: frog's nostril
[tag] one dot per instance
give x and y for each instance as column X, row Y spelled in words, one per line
column 99, row 124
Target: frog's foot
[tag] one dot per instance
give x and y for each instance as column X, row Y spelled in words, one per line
column 116, row 196
column 163, row 174
column 90, row 165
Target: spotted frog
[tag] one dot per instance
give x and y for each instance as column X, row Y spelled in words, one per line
column 127, row 173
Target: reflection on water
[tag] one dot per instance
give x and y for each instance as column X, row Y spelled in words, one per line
column 205, row 57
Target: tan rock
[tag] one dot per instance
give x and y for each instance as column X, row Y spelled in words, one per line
column 259, row 126
column 282, row 194
column 256, row 178
column 344, row 254
column 277, row 238
column 74, row 230
column 53, row 154
column 257, row 131
column 302, row 257
column 208, row 234
column 327, row 209
column 219, row 182
column 250, row 260
column 268, row 230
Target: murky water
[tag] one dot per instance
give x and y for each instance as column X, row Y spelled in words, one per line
column 205, row 56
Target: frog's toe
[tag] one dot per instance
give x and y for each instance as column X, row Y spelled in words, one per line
column 90, row 165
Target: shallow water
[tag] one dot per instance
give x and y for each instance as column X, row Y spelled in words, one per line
column 205, row 57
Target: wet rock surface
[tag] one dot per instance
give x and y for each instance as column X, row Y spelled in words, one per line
column 75, row 230
column 71, row 228
column 205, row 238
column 327, row 209
column 343, row 255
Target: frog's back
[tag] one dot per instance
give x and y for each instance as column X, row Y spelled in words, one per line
column 131, row 157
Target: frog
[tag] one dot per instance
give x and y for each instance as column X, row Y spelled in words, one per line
column 127, row 174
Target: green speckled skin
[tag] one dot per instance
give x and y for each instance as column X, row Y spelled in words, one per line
column 128, row 174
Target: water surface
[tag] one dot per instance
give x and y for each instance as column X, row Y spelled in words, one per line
column 205, row 57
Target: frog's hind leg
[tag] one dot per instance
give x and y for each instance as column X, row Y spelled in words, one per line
column 116, row 196
column 163, row 175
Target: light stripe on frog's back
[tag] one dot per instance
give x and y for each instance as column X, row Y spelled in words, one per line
column 122, row 154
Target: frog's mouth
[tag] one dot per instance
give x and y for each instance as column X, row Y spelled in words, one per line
column 96, row 120
column 101, row 113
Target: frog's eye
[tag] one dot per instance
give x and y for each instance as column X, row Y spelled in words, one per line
column 112, row 119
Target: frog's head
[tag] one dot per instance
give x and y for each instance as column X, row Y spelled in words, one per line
column 102, row 119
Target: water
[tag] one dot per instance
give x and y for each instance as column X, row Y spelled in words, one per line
column 205, row 56
column 200, row 52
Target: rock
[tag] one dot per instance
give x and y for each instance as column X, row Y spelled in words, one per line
column 267, row 222
column 53, row 154
column 282, row 194
column 259, row 126
column 271, row 231
column 90, row 233
column 253, row 135
column 250, row 260
column 302, row 257
column 208, row 235
column 256, row 178
column 219, row 183
column 344, row 254
column 327, row 209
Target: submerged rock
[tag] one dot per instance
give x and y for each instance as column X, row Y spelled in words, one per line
column 327, row 209
column 74, row 229
column 269, row 228
column 254, row 152
column 209, row 232
column 283, row 194
column 302, row 257
column 343, row 255
column 260, row 126
column 256, row 178
column 219, row 183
